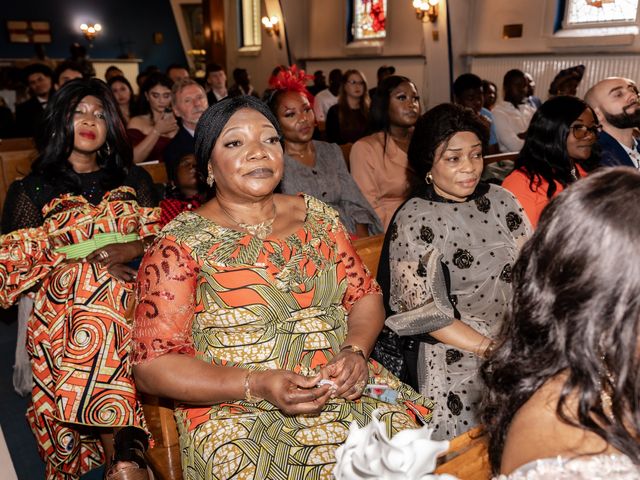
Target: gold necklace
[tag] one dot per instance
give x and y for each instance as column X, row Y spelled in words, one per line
column 259, row 230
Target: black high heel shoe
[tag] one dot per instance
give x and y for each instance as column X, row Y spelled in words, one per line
column 128, row 462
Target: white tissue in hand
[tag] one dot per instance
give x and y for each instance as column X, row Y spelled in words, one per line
column 368, row 453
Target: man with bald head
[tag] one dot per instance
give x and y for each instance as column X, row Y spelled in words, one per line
column 617, row 106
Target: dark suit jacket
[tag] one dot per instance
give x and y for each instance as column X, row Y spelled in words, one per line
column 212, row 98
column 182, row 144
column 28, row 117
column 611, row 152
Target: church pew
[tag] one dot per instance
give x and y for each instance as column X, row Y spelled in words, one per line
column 467, row 457
column 346, row 151
column 8, row 144
column 499, row 157
column 157, row 171
column 369, row 249
column 16, row 164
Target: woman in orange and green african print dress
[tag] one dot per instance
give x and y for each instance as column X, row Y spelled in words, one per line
column 75, row 222
column 260, row 329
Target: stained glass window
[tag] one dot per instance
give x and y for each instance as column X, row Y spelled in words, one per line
column 369, row 17
column 249, row 23
column 601, row 11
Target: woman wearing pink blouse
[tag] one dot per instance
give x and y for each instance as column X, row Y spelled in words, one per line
column 379, row 163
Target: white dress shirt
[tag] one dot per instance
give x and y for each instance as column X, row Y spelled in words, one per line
column 322, row 103
column 509, row 122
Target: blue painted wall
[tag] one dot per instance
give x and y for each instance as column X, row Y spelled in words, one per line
column 128, row 26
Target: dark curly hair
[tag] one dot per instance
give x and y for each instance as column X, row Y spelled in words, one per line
column 213, row 121
column 575, row 310
column 56, row 137
column 436, row 127
column 544, row 154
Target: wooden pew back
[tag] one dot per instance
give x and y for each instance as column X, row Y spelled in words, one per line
column 467, row 457
column 369, row 248
column 14, row 164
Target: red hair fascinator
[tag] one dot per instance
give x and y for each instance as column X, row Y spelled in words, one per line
column 292, row 80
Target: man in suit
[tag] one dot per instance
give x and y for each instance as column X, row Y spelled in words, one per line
column 617, row 106
column 39, row 78
column 217, row 83
column 189, row 101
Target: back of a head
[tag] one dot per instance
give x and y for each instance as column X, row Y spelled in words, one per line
column 335, row 76
column 436, row 126
column 511, row 76
column 214, row 119
column 575, row 309
column 466, row 81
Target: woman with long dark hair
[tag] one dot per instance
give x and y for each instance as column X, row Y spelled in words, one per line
column 445, row 268
column 123, row 93
column 347, row 120
column 564, row 382
column 151, row 131
column 559, row 149
column 77, row 221
column 379, row 163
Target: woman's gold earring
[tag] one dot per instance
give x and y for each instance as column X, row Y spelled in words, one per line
column 428, row 178
column 210, row 178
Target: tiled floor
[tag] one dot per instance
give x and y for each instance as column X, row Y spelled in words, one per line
column 18, row 436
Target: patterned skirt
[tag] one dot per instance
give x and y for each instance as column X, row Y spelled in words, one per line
column 78, row 339
column 256, row 441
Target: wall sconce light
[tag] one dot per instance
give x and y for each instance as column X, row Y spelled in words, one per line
column 90, row 30
column 272, row 26
column 428, row 8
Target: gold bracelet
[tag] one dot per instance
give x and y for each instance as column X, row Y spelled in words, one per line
column 247, row 389
column 354, row 349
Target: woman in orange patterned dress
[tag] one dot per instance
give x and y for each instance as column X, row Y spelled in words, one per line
column 75, row 223
column 256, row 314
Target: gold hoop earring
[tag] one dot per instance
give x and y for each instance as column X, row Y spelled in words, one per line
column 428, row 178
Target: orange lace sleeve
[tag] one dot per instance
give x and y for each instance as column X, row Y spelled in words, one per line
column 165, row 302
column 360, row 281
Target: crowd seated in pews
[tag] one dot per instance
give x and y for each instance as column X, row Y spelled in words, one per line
column 450, row 264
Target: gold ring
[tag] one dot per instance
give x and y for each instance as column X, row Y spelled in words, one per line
column 104, row 254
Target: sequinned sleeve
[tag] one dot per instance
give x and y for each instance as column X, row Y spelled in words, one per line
column 165, row 302
column 359, row 279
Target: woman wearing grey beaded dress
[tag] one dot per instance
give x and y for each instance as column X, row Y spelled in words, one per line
column 450, row 251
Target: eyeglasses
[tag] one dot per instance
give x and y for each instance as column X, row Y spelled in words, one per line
column 582, row 131
column 355, row 82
